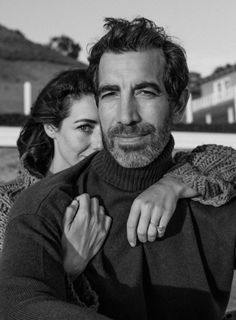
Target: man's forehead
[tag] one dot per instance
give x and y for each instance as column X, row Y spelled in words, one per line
column 145, row 65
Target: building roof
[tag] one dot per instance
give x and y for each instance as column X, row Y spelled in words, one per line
column 219, row 73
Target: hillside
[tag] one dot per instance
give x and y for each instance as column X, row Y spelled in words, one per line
column 23, row 60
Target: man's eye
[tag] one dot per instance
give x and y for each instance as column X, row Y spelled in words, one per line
column 108, row 94
column 146, row 93
column 85, row 128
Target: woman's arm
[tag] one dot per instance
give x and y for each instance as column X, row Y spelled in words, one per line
column 207, row 174
column 210, row 170
column 32, row 277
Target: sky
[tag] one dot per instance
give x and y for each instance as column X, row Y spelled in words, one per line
column 206, row 28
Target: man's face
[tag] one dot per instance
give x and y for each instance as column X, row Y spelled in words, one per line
column 134, row 108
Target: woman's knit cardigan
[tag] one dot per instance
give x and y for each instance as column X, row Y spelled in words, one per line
column 10, row 191
column 209, row 169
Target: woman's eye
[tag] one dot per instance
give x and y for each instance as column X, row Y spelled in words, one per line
column 86, row 128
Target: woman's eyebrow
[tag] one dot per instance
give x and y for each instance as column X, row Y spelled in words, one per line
column 86, row 120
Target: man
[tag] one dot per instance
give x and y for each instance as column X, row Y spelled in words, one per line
column 141, row 79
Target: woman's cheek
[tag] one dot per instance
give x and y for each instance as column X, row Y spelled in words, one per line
column 83, row 143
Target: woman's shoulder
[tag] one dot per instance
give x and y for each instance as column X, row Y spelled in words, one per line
column 8, row 194
column 11, row 189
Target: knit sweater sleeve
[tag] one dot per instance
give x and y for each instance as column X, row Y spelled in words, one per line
column 210, row 170
column 32, row 279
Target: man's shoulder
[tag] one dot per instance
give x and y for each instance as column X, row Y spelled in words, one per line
column 212, row 224
column 68, row 176
column 52, row 193
column 229, row 204
column 226, row 212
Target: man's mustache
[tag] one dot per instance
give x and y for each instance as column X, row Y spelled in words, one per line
column 135, row 129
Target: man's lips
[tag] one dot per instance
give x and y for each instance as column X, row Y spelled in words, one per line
column 131, row 138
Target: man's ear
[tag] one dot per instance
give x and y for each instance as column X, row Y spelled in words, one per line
column 180, row 107
column 50, row 130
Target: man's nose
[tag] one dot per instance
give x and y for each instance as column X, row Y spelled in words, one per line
column 96, row 141
column 128, row 111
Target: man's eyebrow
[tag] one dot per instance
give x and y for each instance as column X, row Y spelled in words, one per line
column 147, row 84
column 108, row 87
column 86, row 120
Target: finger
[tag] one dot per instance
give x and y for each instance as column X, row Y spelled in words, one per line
column 152, row 232
column 83, row 197
column 94, row 205
column 108, row 221
column 161, row 231
column 70, row 214
column 164, row 221
column 101, row 214
column 101, row 210
column 104, row 219
column 143, row 224
column 106, row 224
column 132, row 222
column 105, row 229
column 84, row 204
column 153, row 223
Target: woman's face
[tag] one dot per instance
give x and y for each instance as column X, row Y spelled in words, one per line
column 79, row 134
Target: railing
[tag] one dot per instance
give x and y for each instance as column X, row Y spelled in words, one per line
column 213, row 99
column 183, row 140
column 189, row 140
column 8, row 136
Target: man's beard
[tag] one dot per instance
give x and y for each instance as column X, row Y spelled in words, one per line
column 141, row 154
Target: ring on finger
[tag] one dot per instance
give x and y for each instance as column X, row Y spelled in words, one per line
column 154, row 225
column 160, row 229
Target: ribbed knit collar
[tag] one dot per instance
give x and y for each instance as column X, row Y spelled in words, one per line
column 135, row 179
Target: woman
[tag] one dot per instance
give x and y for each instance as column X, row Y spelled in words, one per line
column 62, row 129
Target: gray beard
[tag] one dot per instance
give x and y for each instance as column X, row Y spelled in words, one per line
column 137, row 156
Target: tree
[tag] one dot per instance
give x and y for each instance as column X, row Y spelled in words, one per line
column 222, row 68
column 65, row 45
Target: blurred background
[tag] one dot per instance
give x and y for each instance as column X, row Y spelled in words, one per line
column 38, row 39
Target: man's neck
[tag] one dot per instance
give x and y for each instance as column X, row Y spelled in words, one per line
column 133, row 179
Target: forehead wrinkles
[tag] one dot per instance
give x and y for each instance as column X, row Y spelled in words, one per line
column 131, row 67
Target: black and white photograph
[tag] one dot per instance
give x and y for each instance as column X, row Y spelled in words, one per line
column 117, row 160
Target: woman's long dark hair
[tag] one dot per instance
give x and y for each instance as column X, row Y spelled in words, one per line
column 52, row 106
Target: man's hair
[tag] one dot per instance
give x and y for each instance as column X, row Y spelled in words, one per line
column 142, row 34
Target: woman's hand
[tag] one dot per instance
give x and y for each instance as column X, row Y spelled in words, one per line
column 85, row 229
column 152, row 210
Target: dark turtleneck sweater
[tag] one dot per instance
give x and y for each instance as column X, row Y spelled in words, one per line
column 118, row 272
column 185, row 275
